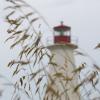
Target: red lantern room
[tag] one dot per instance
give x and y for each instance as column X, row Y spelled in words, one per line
column 62, row 34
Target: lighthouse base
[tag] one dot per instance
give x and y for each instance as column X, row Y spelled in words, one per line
column 62, row 81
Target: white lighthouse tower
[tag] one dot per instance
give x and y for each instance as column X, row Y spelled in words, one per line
column 62, row 80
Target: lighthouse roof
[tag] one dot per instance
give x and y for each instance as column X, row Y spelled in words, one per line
column 62, row 27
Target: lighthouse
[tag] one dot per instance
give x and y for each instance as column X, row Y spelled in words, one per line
column 62, row 80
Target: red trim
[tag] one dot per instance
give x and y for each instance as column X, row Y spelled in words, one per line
column 62, row 39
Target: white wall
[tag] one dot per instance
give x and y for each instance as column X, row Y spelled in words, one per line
column 63, row 57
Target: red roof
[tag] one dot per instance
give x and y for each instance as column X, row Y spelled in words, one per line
column 62, row 28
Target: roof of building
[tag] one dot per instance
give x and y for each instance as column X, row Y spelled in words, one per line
column 62, row 27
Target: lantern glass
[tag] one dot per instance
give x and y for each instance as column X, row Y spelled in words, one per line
column 62, row 33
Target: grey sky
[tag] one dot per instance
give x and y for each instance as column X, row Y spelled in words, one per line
column 82, row 15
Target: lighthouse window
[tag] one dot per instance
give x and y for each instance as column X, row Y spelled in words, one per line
column 56, row 33
column 61, row 32
column 67, row 33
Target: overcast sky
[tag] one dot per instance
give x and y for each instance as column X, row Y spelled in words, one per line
column 82, row 15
